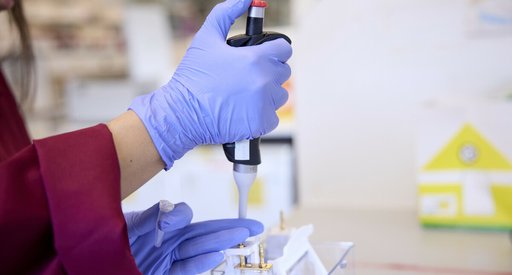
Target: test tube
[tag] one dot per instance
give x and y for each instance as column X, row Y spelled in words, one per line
column 165, row 207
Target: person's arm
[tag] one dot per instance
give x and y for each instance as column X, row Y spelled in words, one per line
column 60, row 207
column 138, row 158
column 218, row 94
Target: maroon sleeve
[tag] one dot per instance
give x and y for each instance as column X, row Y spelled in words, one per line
column 26, row 239
column 68, row 189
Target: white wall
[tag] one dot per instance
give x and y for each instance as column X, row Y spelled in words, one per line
column 363, row 68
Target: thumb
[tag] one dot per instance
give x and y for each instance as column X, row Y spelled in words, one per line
column 179, row 217
column 222, row 17
column 142, row 222
column 279, row 49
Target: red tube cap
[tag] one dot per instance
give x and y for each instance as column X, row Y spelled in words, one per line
column 259, row 4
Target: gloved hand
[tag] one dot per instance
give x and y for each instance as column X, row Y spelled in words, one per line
column 218, row 94
column 145, row 222
column 187, row 248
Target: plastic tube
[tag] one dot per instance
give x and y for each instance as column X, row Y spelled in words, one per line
column 165, row 207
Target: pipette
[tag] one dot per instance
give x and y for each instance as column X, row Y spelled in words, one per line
column 245, row 155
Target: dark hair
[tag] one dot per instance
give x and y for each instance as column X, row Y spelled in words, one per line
column 23, row 70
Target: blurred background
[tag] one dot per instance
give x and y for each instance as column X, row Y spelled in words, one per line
column 397, row 135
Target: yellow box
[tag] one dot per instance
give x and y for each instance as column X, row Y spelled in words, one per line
column 465, row 179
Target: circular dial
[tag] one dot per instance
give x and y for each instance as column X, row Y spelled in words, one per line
column 468, row 153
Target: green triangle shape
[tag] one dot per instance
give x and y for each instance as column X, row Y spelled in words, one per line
column 468, row 150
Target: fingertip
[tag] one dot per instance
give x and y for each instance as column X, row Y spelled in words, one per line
column 279, row 49
column 224, row 14
column 287, row 49
column 179, row 217
column 287, row 73
column 240, row 234
column 231, row 237
column 243, row 4
column 184, row 210
column 237, row 7
column 273, row 123
column 280, row 97
column 255, row 228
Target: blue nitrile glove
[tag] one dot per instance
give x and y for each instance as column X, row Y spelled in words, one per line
column 187, row 248
column 144, row 222
column 218, row 94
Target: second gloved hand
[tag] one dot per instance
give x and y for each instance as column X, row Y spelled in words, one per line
column 186, row 248
column 218, row 94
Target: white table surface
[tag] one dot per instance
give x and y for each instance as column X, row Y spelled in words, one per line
column 393, row 242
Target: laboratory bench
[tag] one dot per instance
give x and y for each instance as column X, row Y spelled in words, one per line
column 393, row 242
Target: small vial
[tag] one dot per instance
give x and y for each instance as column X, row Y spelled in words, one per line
column 165, row 207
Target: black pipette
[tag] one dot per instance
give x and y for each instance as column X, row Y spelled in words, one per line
column 245, row 155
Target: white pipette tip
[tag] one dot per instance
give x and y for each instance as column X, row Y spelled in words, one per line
column 165, row 207
column 244, row 182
